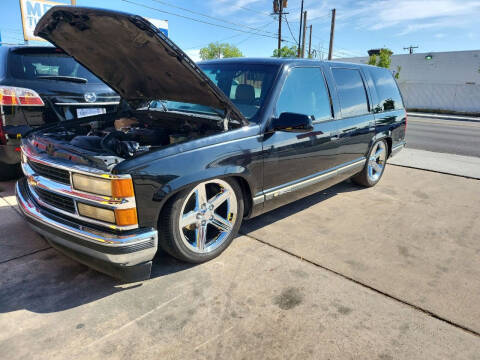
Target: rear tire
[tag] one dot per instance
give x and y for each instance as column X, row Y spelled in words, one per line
column 9, row 171
column 375, row 165
column 200, row 222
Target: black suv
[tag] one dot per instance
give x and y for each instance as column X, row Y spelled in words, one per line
column 41, row 85
column 201, row 148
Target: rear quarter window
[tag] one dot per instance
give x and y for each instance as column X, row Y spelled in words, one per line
column 389, row 97
column 351, row 92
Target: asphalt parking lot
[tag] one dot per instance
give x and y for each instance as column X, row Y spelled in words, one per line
column 390, row 272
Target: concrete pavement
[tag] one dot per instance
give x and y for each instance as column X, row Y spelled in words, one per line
column 389, row 272
column 468, row 166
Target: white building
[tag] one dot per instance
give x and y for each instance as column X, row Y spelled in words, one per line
column 438, row 81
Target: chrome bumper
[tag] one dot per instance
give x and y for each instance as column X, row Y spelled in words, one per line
column 136, row 247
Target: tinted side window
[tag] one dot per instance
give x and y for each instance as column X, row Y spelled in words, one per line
column 388, row 95
column 305, row 92
column 351, row 92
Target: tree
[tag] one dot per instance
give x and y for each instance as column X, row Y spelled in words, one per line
column 397, row 73
column 382, row 60
column 219, row 50
column 286, row 51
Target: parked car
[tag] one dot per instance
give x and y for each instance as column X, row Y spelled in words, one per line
column 188, row 163
column 41, row 85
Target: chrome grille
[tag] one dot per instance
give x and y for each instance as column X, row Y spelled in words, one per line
column 50, row 172
column 59, row 201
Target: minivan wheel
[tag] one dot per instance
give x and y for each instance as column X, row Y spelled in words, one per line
column 201, row 221
column 375, row 166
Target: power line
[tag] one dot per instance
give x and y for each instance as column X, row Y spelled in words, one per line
column 205, row 44
column 324, row 17
column 251, row 10
column 250, row 36
column 208, row 16
column 197, row 20
column 290, row 30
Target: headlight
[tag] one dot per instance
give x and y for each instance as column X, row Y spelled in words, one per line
column 100, row 186
column 121, row 217
column 97, row 213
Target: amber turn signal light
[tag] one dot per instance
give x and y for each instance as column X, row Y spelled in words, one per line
column 122, row 188
column 125, row 217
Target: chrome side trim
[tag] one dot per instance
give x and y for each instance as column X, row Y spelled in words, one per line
column 397, row 148
column 314, row 179
column 89, row 104
column 120, row 249
column 258, row 199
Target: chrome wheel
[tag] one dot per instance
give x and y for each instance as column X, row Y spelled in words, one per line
column 376, row 162
column 208, row 216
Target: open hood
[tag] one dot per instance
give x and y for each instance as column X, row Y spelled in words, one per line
column 132, row 56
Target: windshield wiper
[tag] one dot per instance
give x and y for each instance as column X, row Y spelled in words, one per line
column 63, row 78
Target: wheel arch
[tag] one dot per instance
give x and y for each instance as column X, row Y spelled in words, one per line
column 170, row 190
column 387, row 136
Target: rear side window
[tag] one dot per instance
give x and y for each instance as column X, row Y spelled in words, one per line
column 305, row 92
column 387, row 90
column 351, row 92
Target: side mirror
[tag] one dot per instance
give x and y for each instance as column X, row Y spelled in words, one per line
column 292, row 122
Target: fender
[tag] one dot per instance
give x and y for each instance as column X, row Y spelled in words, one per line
column 179, row 184
column 156, row 181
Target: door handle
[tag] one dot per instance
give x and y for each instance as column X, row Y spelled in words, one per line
column 334, row 137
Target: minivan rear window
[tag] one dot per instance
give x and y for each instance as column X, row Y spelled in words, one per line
column 389, row 97
column 351, row 92
column 27, row 65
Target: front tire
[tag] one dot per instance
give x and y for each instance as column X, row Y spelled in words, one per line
column 200, row 222
column 375, row 166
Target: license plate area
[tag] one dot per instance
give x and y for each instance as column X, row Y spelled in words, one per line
column 84, row 112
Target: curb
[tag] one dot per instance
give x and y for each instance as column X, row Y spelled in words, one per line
column 444, row 117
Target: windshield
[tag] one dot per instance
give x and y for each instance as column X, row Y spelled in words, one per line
column 47, row 64
column 247, row 85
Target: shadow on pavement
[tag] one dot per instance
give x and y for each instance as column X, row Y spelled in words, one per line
column 49, row 282
column 296, row 206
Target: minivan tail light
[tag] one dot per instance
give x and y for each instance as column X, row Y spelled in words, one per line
column 16, row 96
column 406, row 121
column 3, row 138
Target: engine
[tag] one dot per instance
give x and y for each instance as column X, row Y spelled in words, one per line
column 128, row 136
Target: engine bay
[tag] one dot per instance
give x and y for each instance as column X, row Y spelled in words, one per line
column 115, row 138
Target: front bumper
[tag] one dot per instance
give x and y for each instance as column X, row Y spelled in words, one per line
column 127, row 256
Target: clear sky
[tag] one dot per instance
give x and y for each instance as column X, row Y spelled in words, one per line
column 433, row 25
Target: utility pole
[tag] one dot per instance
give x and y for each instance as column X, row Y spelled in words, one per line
column 304, row 31
column 280, row 25
column 332, row 31
column 300, row 31
column 410, row 48
column 310, row 43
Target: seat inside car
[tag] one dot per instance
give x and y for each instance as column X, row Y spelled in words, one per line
column 245, row 94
